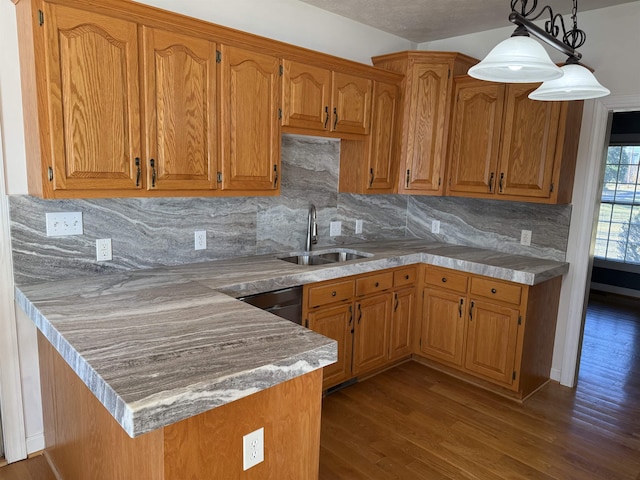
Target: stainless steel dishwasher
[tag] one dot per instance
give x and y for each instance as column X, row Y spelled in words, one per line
column 285, row 303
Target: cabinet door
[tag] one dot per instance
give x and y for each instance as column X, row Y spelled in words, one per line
column 337, row 323
column 491, row 341
column 528, row 144
column 425, row 137
column 94, row 100
column 249, row 124
column 400, row 327
column 382, row 143
column 180, row 111
column 371, row 333
column 351, row 104
column 475, row 137
column 305, row 96
column 443, row 323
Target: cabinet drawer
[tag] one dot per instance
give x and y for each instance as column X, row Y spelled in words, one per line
column 374, row 283
column 404, row 276
column 496, row 290
column 445, row 278
column 330, row 293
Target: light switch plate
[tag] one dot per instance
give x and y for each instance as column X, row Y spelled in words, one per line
column 358, row 226
column 200, row 238
column 435, row 226
column 61, row 224
column 335, row 229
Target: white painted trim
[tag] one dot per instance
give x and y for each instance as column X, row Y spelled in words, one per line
column 585, row 200
column 35, row 443
column 11, row 406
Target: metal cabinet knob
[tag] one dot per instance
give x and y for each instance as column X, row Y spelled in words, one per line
column 493, row 290
column 444, row 279
column 333, row 294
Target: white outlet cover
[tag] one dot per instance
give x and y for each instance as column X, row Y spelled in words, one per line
column 525, row 238
column 435, row 226
column 253, row 449
column 103, row 249
column 62, row 224
column 358, row 226
column 200, row 239
column 335, row 229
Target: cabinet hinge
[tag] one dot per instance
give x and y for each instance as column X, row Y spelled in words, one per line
column 306, row 322
column 279, row 114
column 439, row 181
column 420, row 342
column 406, row 184
column 50, row 174
column 519, row 319
column 218, row 56
column 219, row 177
column 40, row 17
column 513, row 377
column 281, row 70
column 551, row 188
column 449, row 73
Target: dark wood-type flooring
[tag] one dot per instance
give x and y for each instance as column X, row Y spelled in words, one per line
column 415, row 423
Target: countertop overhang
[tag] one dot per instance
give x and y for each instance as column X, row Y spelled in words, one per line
column 161, row 345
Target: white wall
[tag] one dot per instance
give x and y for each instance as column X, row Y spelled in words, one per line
column 286, row 20
column 613, row 39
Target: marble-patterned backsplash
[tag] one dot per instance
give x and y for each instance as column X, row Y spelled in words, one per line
column 152, row 232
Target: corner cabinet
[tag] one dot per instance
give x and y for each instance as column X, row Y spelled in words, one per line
column 426, row 109
column 492, row 332
column 250, row 127
column 504, row 145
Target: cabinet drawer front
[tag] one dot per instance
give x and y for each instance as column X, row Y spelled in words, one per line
column 443, row 278
column 505, row 292
column 331, row 293
column 374, row 283
column 404, row 276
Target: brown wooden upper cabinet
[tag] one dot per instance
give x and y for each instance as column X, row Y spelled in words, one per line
column 427, row 88
column 314, row 98
column 371, row 166
column 503, row 145
column 250, row 127
column 117, row 107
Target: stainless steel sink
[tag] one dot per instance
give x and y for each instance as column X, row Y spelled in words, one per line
column 325, row 257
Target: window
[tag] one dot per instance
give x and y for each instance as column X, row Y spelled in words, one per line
column 618, row 234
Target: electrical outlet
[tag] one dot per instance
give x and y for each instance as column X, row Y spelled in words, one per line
column 103, row 249
column 358, row 226
column 435, row 226
column 200, row 239
column 525, row 238
column 335, row 229
column 60, row 224
column 253, row 448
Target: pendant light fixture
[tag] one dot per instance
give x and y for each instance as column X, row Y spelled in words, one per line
column 520, row 59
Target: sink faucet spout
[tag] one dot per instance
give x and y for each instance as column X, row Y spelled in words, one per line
column 312, row 229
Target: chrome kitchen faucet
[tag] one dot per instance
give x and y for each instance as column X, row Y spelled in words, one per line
column 312, row 229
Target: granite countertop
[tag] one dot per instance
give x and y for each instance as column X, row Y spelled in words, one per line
column 160, row 345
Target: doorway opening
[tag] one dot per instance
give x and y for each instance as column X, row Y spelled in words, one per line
column 611, row 338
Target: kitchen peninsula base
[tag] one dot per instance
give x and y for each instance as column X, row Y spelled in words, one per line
column 83, row 441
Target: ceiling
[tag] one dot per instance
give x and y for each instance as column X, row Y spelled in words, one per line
column 427, row 20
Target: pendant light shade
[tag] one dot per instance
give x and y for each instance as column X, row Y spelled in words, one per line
column 577, row 83
column 518, row 59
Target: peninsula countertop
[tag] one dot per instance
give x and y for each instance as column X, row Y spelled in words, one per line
column 160, row 345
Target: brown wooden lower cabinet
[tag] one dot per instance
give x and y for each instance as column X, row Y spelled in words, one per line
column 495, row 332
column 83, row 441
column 369, row 315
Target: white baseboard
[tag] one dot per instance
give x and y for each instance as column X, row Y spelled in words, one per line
column 35, row 443
column 555, row 374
